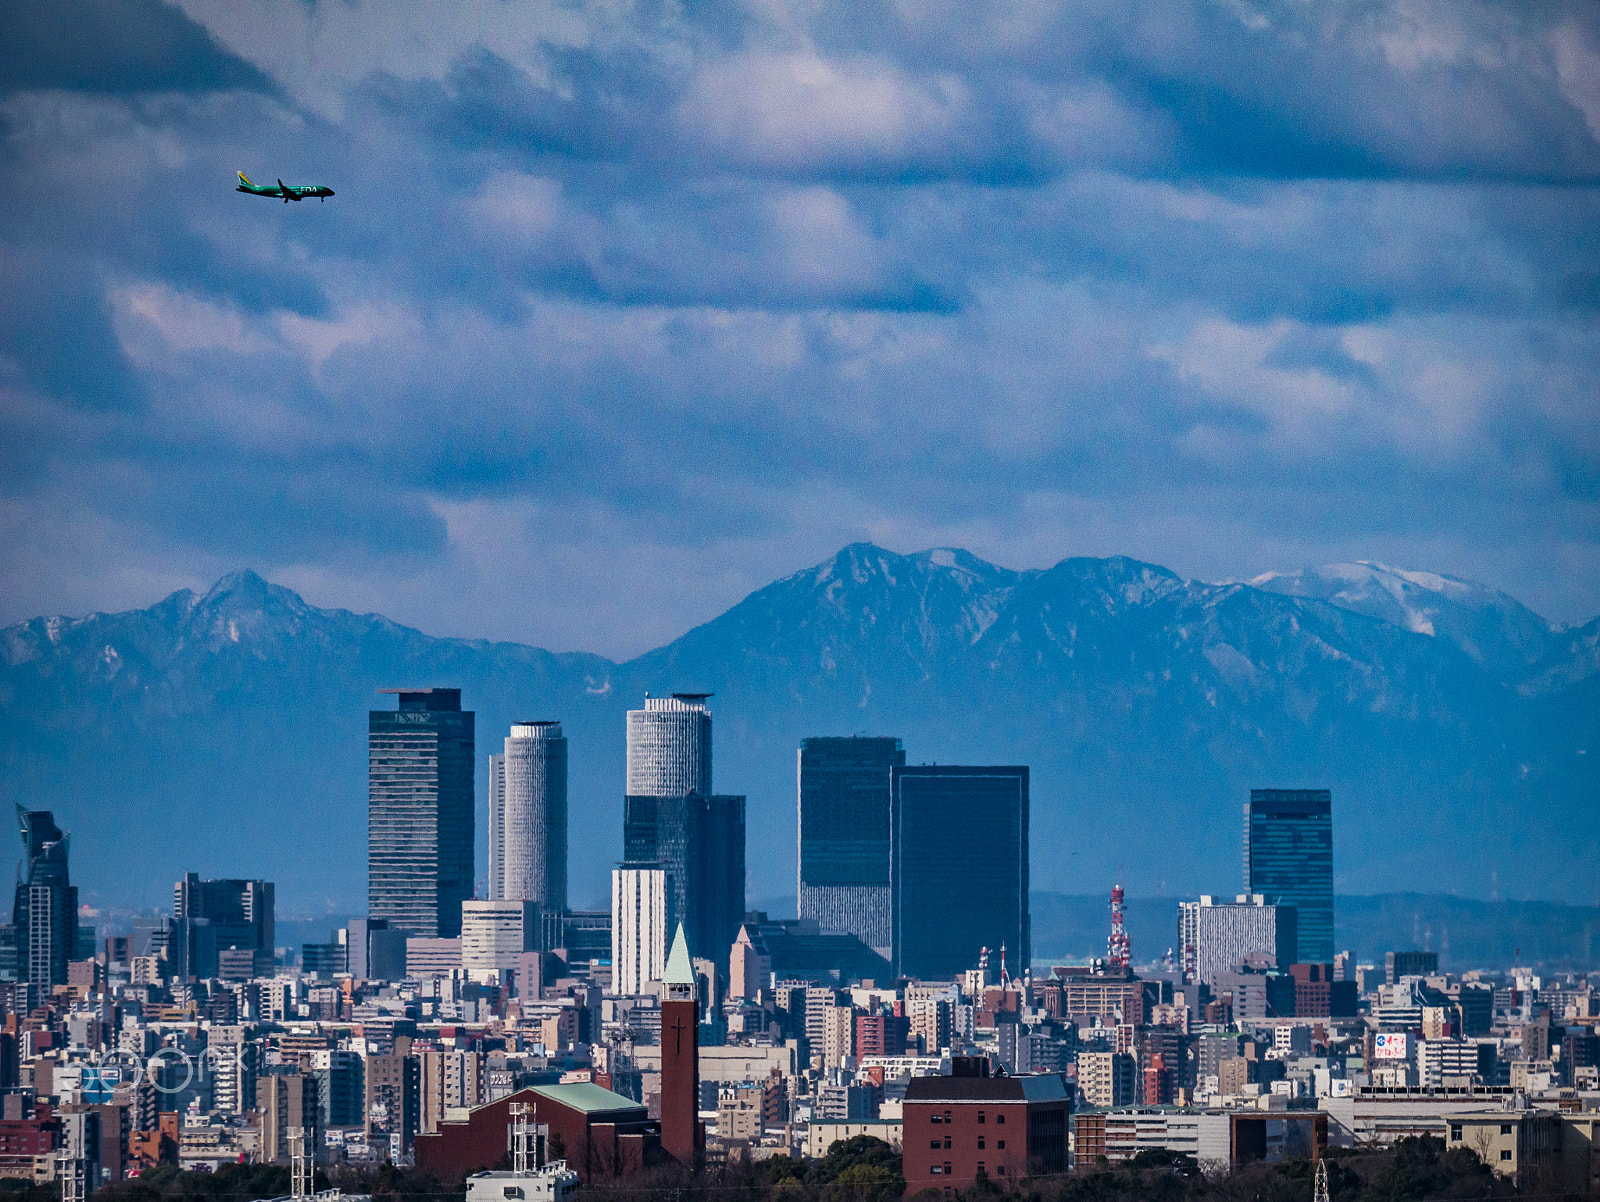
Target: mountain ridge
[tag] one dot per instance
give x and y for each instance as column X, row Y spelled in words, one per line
column 1140, row 699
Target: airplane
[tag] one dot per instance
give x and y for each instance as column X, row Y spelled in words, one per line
column 287, row 191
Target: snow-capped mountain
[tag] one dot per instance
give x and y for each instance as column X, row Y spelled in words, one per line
column 226, row 733
column 1496, row 630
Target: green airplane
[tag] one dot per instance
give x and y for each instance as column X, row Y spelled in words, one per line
column 287, row 191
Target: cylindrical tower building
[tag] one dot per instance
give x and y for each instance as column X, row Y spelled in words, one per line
column 669, row 747
column 533, row 859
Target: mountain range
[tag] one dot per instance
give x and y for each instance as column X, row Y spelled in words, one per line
column 226, row 733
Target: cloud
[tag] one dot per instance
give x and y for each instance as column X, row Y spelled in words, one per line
column 115, row 46
column 614, row 294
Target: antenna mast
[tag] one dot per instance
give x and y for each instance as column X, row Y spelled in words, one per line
column 1119, row 952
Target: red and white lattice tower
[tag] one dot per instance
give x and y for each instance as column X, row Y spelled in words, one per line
column 1119, row 953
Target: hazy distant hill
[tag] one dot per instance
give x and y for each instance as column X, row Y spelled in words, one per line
column 227, row 733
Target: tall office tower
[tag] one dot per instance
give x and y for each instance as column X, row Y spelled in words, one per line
column 700, row 844
column 45, row 918
column 641, row 916
column 843, row 873
column 958, row 867
column 682, row 1137
column 211, row 917
column 1217, row 936
column 669, row 747
column 419, row 812
column 497, row 826
column 1288, row 857
column 532, row 820
column 672, row 820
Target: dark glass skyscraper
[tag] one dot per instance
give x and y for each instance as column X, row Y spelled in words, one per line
column 420, row 812
column 843, row 786
column 45, row 916
column 699, row 841
column 958, row 867
column 209, row 917
column 1288, row 857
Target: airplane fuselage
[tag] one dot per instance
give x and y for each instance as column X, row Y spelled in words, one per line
column 286, row 192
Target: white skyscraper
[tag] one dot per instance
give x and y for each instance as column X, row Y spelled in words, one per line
column 528, row 817
column 669, row 747
column 641, row 919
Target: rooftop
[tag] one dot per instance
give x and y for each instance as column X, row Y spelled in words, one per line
column 587, row 1097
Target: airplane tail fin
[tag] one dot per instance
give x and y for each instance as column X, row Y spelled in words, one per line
column 241, row 176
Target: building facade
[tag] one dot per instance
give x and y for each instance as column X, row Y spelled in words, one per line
column 1288, row 858
column 844, row 860
column 43, row 936
column 528, row 817
column 420, row 812
column 1007, row 1127
column 210, row 917
column 958, row 867
column 494, row 934
column 669, row 746
column 641, row 923
column 1216, row 937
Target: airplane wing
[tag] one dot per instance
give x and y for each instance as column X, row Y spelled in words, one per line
column 288, row 192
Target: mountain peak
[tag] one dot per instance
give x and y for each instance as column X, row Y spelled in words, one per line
column 1496, row 630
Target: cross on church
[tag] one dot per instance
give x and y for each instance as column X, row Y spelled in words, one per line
column 677, row 1026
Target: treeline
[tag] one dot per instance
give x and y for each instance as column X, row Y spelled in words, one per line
column 1416, row 1169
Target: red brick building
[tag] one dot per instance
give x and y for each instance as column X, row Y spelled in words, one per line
column 600, row 1134
column 1010, row 1127
column 881, row 1034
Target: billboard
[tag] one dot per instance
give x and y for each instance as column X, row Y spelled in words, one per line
column 1389, row 1046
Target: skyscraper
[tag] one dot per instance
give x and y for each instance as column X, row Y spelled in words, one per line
column 1288, row 857
column 45, row 917
column 958, row 868
column 497, row 823
column 669, row 747
column 641, row 917
column 699, row 842
column 671, row 820
column 844, row 856
column 528, row 817
column 419, row 813
column 209, row 917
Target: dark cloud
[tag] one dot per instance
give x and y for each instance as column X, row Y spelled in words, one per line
column 114, row 46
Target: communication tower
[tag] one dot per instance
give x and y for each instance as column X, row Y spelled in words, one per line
column 1119, row 953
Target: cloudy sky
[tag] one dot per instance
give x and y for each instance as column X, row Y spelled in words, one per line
column 623, row 309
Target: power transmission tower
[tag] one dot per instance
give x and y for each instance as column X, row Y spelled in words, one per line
column 1322, row 1182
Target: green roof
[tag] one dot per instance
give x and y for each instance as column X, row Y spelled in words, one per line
column 587, row 1097
column 679, row 969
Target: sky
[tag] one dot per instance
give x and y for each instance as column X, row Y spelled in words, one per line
column 622, row 310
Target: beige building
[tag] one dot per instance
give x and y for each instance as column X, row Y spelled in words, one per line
column 1514, row 1143
column 1106, row 1078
